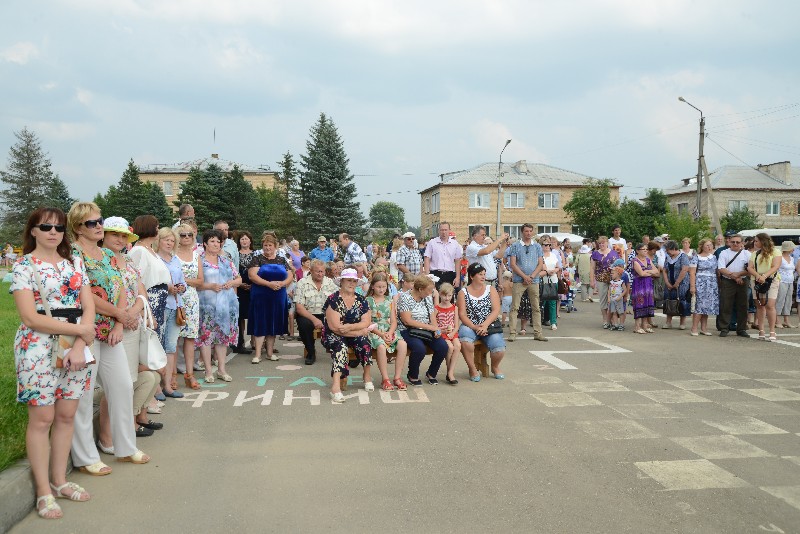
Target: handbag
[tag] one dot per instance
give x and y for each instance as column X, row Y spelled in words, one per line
column 151, row 352
column 421, row 333
column 180, row 315
column 762, row 288
column 548, row 291
column 672, row 307
column 59, row 342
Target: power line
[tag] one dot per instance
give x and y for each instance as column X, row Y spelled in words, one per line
column 757, row 124
column 761, row 146
column 730, row 153
column 752, row 111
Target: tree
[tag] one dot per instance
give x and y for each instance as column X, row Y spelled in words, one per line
column 592, row 209
column 740, row 219
column 199, row 192
column 249, row 211
column 58, row 195
column 28, row 179
column 280, row 216
column 329, row 204
column 156, row 204
column 131, row 197
column 385, row 214
column 289, row 179
column 683, row 225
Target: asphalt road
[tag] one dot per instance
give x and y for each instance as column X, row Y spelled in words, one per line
column 646, row 433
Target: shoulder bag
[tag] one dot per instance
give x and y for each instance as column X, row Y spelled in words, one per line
column 180, row 313
column 548, row 290
column 421, row 333
column 496, row 326
column 151, row 352
column 762, row 288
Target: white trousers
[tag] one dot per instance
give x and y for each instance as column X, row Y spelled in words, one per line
column 111, row 369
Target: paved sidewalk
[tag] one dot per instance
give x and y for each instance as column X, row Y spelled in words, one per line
column 593, row 431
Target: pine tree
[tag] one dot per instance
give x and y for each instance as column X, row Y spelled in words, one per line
column 248, row 212
column 58, row 195
column 128, row 198
column 200, row 193
column 156, row 204
column 289, row 180
column 27, row 178
column 329, row 205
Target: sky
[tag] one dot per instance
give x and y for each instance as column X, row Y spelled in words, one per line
column 416, row 88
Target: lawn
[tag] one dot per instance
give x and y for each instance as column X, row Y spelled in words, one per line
column 13, row 415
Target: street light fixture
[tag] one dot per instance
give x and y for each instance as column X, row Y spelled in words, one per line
column 500, row 187
column 699, row 157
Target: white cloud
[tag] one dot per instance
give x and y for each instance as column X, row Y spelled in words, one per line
column 236, row 53
column 83, row 96
column 49, row 86
column 19, row 53
column 490, row 136
column 63, row 131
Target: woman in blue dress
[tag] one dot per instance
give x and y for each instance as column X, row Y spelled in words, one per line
column 219, row 308
column 268, row 315
column 703, row 279
column 676, row 283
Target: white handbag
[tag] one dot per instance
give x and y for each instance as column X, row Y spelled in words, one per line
column 151, row 352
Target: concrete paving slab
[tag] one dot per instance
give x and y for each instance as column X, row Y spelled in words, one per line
column 761, row 471
column 713, row 375
column 786, row 383
column 690, row 474
column 757, row 408
column 673, row 397
column 645, row 411
column 715, row 447
column 774, row 394
column 697, row 385
column 743, row 425
column 790, row 494
column 616, row 429
column 559, row 400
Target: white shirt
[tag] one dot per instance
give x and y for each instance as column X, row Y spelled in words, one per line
column 152, row 269
column 621, row 241
column 486, row 261
column 737, row 265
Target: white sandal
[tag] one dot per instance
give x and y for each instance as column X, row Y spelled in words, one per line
column 136, row 458
column 50, row 505
column 77, row 492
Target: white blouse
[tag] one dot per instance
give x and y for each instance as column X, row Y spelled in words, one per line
column 152, row 269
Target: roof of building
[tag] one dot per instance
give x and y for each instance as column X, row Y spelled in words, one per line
column 519, row 173
column 202, row 164
column 738, row 177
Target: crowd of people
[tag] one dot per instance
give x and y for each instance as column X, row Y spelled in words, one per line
column 93, row 292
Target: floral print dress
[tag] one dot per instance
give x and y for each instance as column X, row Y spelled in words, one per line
column 191, row 300
column 382, row 316
column 219, row 311
column 38, row 382
column 106, row 280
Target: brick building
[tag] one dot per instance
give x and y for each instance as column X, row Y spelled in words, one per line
column 532, row 193
column 171, row 177
column 771, row 191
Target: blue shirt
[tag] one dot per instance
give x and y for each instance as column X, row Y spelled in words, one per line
column 323, row 255
column 527, row 258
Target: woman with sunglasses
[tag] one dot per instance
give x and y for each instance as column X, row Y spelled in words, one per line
column 192, row 267
column 85, row 226
column 51, row 393
column 642, row 299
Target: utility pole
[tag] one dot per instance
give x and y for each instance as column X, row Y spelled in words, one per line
column 699, row 201
column 498, row 230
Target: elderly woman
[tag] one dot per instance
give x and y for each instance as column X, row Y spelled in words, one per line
column 346, row 324
column 116, row 238
column 219, row 309
column 583, row 266
column 600, row 273
column 703, row 285
column 763, row 266
column 51, row 393
column 419, row 329
column 552, row 265
column 478, row 308
column 676, row 285
column 85, row 224
column 295, row 254
column 192, row 266
column 269, row 275
column 783, row 304
column 244, row 240
column 165, row 248
column 644, row 271
column 686, row 247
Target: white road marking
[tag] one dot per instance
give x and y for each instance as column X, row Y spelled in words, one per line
column 547, row 355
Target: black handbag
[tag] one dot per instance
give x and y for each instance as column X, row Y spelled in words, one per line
column 548, row 291
column 421, row 333
column 672, row 307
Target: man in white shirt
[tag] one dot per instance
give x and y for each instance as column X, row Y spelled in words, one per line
column 309, row 298
column 733, row 283
column 617, row 239
column 408, row 258
column 484, row 254
column 443, row 257
column 352, row 252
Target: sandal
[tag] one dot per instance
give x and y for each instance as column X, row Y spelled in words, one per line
column 762, row 335
column 51, row 509
column 386, row 385
column 210, row 379
column 399, row 384
column 225, row 377
column 773, row 336
column 191, row 381
column 639, row 331
column 522, row 332
column 136, row 458
column 173, row 384
column 96, row 470
column 75, row 492
column 649, row 330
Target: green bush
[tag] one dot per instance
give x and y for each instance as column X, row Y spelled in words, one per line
column 13, row 415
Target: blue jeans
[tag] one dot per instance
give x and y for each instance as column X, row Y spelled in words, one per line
column 493, row 342
column 416, row 353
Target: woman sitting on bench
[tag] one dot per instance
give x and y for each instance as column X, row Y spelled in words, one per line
column 478, row 309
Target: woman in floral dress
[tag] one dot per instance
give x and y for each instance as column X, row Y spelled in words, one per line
column 703, row 283
column 191, row 264
column 219, row 308
column 52, row 394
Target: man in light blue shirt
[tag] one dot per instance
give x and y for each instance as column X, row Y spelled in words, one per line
column 322, row 252
column 526, row 261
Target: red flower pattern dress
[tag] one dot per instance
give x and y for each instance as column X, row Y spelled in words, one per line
column 38, row 382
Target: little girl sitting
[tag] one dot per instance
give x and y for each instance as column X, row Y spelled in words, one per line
column 447, row 320
column 383, row 338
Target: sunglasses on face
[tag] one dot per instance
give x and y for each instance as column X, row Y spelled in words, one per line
column 736, row 242
column 93, row 223
column 60, row 228
column 187, row 235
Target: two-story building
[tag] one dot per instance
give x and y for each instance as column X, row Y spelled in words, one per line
column 772, row 191
column 532, row 193
column 170, row 178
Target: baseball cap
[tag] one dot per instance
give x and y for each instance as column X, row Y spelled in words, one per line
column 321, row 238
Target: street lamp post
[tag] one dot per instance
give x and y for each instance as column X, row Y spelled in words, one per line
column 500, row 188
column 699, row 157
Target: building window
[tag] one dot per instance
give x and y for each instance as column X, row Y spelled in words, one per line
column 473, row 226
column 479, row 200
column 734, row 205
column 427, row 204
column 514, row 200
column 547, row 229
column 167, row 188
column 435, row 203
column 773, row 207
column 683, row 207
column 577, row 230
column 548, row 200
column 435, row 229
column 513, row 230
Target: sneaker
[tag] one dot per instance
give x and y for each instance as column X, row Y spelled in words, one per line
column 256, row 359
column 553, row 327
column 432, row 381
column 337, row 398
column 274, row 358
column 369, row 386
column 606, row 326
column 621, row 327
